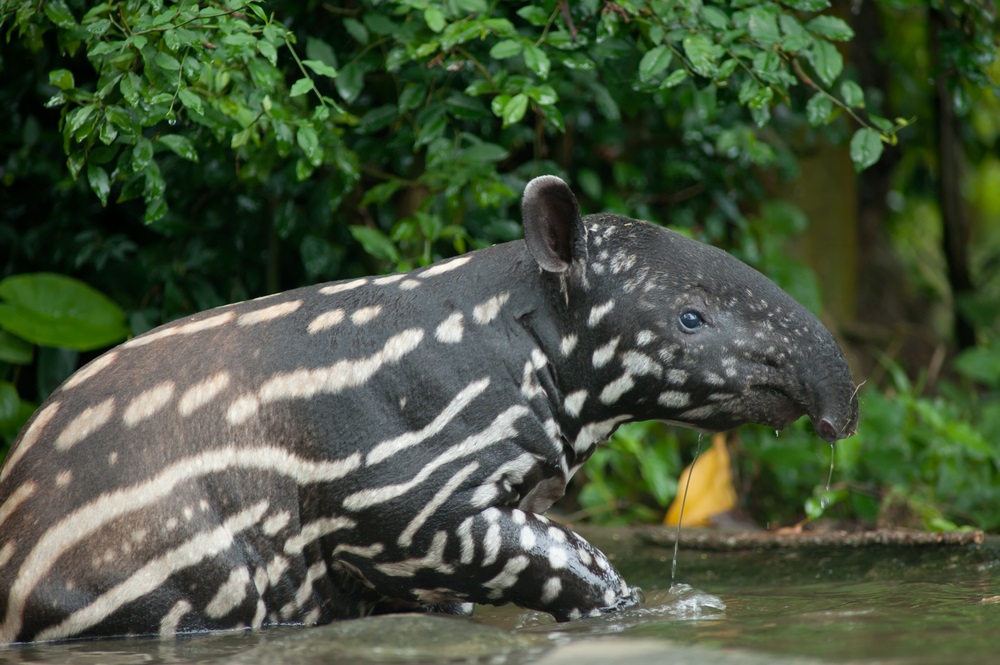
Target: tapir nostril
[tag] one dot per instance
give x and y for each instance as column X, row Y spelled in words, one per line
column 826, row 430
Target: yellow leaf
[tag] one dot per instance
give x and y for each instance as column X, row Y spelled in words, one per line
column 711, row 491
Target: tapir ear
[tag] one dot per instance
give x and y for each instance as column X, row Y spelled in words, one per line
column 553, row 229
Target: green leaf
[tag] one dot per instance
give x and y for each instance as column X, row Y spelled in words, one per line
column 763, row 27
column 321, row 68
column 702, row 52
column 537, row 61
column 167, row 61
column 268, row 50
column 14, row 350
column 484, row 153
column 301, row 87
column 715, row 17
column 350, row 82
column 514, row 109
column 58, row 13
column 434, row 18
column 9, row 401
column 375, row 243
column 56, row 310
column 142, row 154
column 191, row 101
column 853, row 95
column 676, row 77
column 356, row 29
column 866, row 148
column 831, row 27
column 180, row 146
column 654, row 63
column 506, row 48
column 534, row 15
column 818, row 109
column 317, row 49
column 308, row 140
column 808, row 5
column 129, row 87
column 826, row 60
column 62, row 79
column 98, row 179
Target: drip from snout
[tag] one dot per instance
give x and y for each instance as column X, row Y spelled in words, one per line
column 833, row 424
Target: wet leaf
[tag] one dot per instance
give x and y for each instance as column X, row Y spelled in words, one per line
column 180, row 146
column 514, row 109
column 654, row 63
column 98, row 179
column 866, row 148
column 56, row 310
column 818, row 109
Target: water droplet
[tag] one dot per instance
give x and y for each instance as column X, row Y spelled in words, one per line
column 777, row 433
column 171, row 121
column 680, row 518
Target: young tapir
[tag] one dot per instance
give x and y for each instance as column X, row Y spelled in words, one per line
column 391, row 442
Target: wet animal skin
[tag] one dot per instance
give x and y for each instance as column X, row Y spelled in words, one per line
column 391, row 442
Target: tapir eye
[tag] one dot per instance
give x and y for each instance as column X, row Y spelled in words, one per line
column 691, row 320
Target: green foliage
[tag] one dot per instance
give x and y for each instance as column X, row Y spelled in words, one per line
column 634, row 477
column 50, row 311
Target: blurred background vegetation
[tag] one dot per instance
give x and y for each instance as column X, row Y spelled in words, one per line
column 159, row 158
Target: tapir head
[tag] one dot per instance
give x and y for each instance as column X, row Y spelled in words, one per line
column 682, row 331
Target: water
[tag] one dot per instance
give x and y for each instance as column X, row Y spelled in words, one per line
column 918, row 606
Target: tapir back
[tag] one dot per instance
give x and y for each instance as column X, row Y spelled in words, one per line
column 220, row 451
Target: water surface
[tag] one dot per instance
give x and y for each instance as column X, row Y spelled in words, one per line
column 916, row 606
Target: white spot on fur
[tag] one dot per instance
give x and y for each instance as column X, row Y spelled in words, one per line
column 388, row 279
column 86, row 423
column 64, row 477
column 202, row 393
column 558, row 557
column 486, row 312
column 315, row 530
column 181, row 329
column 16, row 498
column 242, row 409
column 30, row 437
column 230, row 594
column 644, row 337
column 172, row 619
column 147, row 404
column 551, row 590
column 603, row 355
column 567, row 345
column 269, row 313
column 325, row 321
column 591, row 433
column 90, row 369
column 599, row 312
column 640, row 364
column 365, row 314
column 451, row 329
column 341, row 287
column 507, row 577
column 409, row 285
column 446, row 266
column 276, row 523
column 614, row 390
column 674, row 399
column 573, row 403
column 343, row 374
